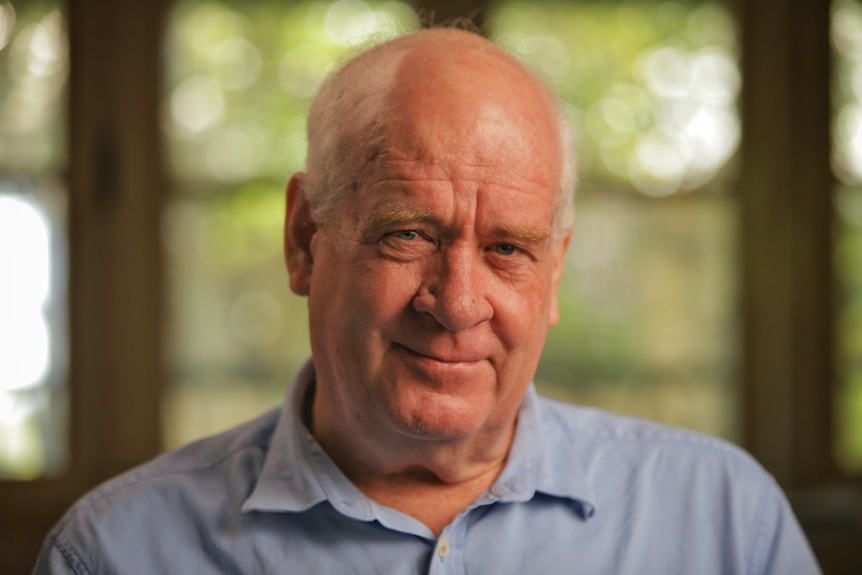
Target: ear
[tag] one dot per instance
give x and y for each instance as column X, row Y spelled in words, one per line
column 299, row 228
column 557, row 274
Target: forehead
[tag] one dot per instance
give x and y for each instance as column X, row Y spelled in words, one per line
column 482, row 105
column 453, row 108
column 490, row 200
column 461, row 117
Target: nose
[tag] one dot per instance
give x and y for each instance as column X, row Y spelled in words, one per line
column 455, row 294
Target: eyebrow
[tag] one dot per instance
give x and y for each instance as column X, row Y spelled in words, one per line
column 523, row 234
column 392, row 216
column 386, row 216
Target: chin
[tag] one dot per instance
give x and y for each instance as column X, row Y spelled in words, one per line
column 442, row 420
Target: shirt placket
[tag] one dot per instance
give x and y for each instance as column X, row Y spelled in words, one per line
column 448, row 556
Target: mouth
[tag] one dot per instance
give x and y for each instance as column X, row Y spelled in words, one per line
column 449, row 359
column 448, row 373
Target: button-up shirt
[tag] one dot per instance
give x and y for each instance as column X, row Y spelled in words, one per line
column 583, row 491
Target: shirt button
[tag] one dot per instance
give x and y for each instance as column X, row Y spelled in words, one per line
column 443, row 548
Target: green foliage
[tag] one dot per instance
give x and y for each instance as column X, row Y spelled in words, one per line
column 33, row 70
column 240, row 78
column 651, row 85
column 848, row 257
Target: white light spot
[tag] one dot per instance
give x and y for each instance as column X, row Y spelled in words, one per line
column 658, row 165
column 197, row 104
column 25, row 261
column 715, row 77
column 24, row 252
column 666, row 71
column 47, row 46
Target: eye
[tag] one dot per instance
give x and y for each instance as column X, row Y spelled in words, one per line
column 505, row 249
column 408, row 235
column 405, row 245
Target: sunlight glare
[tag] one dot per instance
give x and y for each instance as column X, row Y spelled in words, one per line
column 25, row 259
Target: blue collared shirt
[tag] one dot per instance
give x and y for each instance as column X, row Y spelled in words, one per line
column 583, row 491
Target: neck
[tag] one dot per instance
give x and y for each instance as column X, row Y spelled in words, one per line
column 423, row 496
column 432, row 481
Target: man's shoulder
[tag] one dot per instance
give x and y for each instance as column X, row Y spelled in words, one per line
column 167, row 498
column 229, row 460
column 595, row 431
column 697, row 488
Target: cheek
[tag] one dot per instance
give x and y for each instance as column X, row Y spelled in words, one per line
column 362, row 299
column 383, row 284
column 521, row 328
column 522, row 314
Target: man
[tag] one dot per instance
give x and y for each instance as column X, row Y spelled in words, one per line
column 428, row 234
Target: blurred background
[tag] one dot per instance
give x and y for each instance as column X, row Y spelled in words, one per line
column 714, row 280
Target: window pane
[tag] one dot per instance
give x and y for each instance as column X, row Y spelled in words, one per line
column 33, row 68
column 847, row 164
column 649, row 295
column 239, row 81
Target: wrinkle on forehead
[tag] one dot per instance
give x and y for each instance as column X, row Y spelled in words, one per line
column 385, row 171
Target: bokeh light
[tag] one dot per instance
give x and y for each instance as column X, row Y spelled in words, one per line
column 25, row 259
column 653, row 85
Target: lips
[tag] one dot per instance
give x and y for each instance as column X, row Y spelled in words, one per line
column 453, row 357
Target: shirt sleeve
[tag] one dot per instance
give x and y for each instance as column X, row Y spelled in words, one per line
column 57, row 557
column 780, row 547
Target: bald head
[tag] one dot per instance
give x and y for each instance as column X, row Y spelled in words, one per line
column 450, row 83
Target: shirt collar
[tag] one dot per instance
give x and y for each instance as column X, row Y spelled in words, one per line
column 297, row 474
column 543, row 459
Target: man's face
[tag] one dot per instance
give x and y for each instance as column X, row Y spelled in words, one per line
column 431, row 292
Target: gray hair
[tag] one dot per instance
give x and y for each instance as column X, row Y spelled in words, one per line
column 343, row 131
